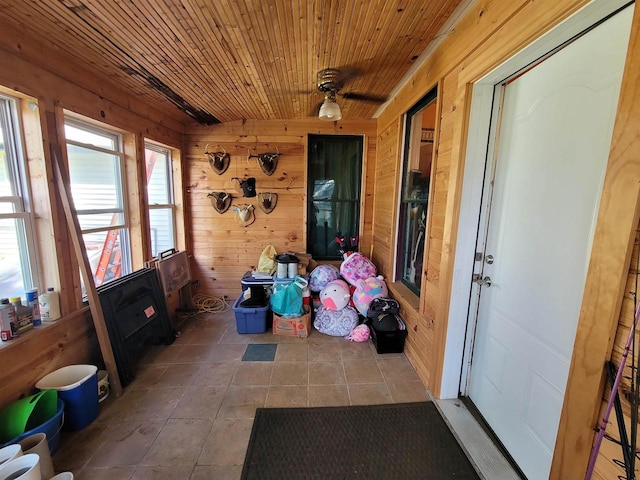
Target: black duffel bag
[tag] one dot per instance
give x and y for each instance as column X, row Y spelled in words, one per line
column 385, row 322
column 381, row 305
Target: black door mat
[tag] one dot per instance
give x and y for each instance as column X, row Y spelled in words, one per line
column 396, row 441
column 260, row 352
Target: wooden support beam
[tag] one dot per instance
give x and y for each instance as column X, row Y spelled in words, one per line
column 85, row 270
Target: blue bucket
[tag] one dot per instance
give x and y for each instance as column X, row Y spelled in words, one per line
column 51, row 428
column 77, row 385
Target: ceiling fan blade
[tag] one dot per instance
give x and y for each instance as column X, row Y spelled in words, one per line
column 364, row 97
column 346, row 73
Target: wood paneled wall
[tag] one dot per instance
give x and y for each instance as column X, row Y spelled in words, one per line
column 610, row 451
column 223, row 250
column 26, row 69
column 25, row 360
column 493, row 31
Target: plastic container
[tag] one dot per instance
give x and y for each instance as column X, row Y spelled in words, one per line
column 49, row 305
column 34, row 305
column 250, row 320
column 286, row 265
column 51, row 428
column 24, row 315
column 103, row 385
column 27, row 413
column 10, row 452
column 388, row 342
column 37, row 443
column 26, row 467
column 63, row 476
column 77, row 385
column 8, row 325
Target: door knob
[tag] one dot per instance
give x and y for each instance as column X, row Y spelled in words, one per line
column 483, row 282
column 489, row 259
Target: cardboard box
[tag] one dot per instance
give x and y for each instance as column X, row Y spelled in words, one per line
column 303, row 258
column 293, row 327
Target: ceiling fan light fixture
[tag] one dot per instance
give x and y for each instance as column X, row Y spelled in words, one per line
column 330, row 110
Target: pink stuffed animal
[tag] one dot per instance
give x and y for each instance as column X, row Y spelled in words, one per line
column 335, row 295
column 359, row 334
column 367, row 290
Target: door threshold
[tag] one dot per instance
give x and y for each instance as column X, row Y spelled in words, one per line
column 484, row 454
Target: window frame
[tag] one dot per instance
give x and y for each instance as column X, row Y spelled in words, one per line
column 402, row 238
column 16, row 159
column 171, row 206
column 123, row 227
column 310, row 193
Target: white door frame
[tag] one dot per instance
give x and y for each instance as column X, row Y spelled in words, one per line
column 461, row 321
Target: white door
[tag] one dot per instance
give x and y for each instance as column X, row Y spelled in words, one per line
column 553, row 135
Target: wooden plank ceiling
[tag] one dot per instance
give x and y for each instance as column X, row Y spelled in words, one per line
column 228, row 60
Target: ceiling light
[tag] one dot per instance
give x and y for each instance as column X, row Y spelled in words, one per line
column 330, row 110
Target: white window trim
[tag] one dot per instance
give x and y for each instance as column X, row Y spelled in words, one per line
column 18, row 171
column 170, row 191
column 123, row 207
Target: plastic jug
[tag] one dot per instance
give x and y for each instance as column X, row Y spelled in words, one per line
column 49, row 305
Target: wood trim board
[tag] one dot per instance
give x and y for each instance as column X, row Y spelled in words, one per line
column 85, row 270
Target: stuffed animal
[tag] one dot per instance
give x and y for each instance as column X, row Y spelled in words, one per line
column 321, row 275
column 359, row 334
column 335, row 295
column 337, row 323
column 368, row 290
column 357, row 267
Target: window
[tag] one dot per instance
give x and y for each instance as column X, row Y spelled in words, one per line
column 96, row 166
column 17, row 250
column 160, row 197
column 333, row 205
column 417, row 166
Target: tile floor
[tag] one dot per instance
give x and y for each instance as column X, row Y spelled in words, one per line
column 189, row 412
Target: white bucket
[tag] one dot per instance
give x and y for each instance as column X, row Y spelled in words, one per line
column 10, row 452
column 26, row 467
column 37, row 443
column 67, row 378
column 63, row 476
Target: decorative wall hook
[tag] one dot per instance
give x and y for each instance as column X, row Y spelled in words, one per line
column 244, row 214
column 267, row 201
column 219, row 161
column 268, row 161
column 221, row 201
column 248, row 186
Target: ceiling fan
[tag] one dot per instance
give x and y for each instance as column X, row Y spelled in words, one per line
column 330, row 83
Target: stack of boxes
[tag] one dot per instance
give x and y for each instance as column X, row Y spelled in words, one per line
column 253, row 313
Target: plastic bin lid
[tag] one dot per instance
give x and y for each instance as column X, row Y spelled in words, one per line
column 67, row 378
column 286, row 258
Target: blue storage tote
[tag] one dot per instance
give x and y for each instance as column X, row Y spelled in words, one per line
column 77, row 385
column 252, row 319
column 51, row 428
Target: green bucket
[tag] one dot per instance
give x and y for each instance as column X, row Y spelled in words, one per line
column 27, row 413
